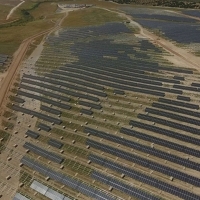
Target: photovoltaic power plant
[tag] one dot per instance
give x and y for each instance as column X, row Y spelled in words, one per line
column 104, row 114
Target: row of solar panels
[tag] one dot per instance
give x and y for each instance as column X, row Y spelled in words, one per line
column 68, row 85
column 169, row 123
column 50, row 110
column 163, row 131
column 85, row 111
column 43, row 99
column 59, row 89
column 66, row 180
column 141, row 177
column 183, row 98
column 173, row 116
column 179, row 103
column 165, row 143
column 176, row 109
column 44, row 153
column 110, row 78
column 144, row 149
column 182, row 87
column 132, row 73
column 52, row 142
column 115, row 85
column 144, row 162
column 91, row 105
column 75, row 81
column 43, row 92
column 106, row 72
column 37, row 114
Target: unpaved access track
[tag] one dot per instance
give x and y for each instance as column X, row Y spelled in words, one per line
column 17, row 59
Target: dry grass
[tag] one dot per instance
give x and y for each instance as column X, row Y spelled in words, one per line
column 4, row 10
column 44, row 10
column 90, row 16
column 11, row 37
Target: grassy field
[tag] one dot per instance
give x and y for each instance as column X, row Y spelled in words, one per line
column 41, row 15
column 4, row 10
column 90, row 16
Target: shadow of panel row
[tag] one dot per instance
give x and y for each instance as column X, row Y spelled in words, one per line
column 141, row 177
column 42, row 152
column 161, row 142
column 50, row 110
column 36, row 114
column 144, row 149
column 125, row 188
column 45, row 100
column 66, row 180
column 169, row 124
column 120, row 81
column 59, row 89
column 68, row 79
column 173, row 116
column 43, row 92
column 116, row 85
column 145, row 162
column 166, row 132
column 128, row 72
column 176, row 109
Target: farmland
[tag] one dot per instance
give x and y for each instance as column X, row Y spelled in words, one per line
column 99, row 108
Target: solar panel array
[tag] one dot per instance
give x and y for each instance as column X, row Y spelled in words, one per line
column 43, row 99
column 144, row 149
column 66, row 180
column 125, row 188
column 146, row 179
column 42, row 152
column 144, row 162
column 37, row 114
column 161, row 142
column 169, row 123
column 166, row 132
column 173, row 116
column 85, row 68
